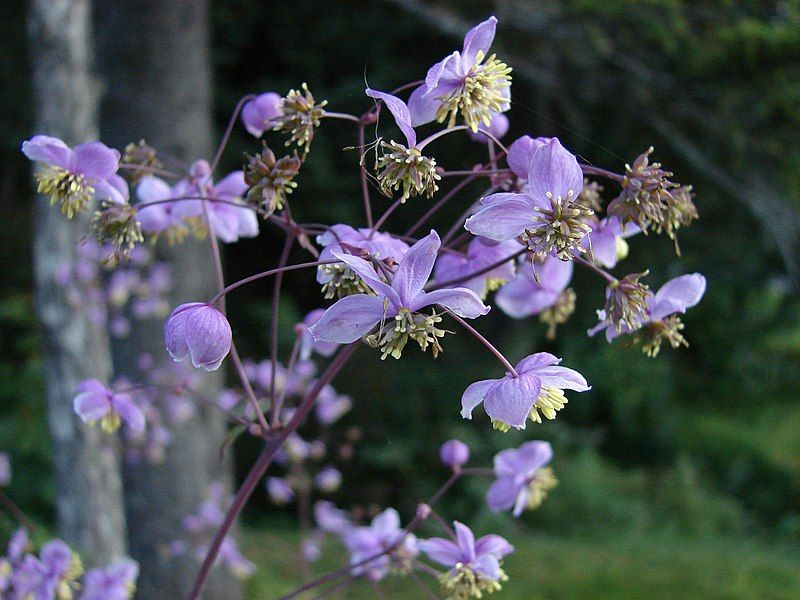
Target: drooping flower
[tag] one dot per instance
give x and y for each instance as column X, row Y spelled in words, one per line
column 94, row 401
column 60, row 568
column 661, row 322
column 546, row 214
column 522, row 478
column 538, row 387
column 199, row 332
column 524, row 296
column 498, row 127
column 397, row 302
column 404, row 167
column 115, row 582
column 340, row 280
column 474, row 566
column 73, row 177
column 454, row 453
column 384, row 534
column 261, row 113
column 481, row 253
column 467, row 83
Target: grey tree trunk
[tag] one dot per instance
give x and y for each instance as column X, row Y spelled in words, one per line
column 154, row 59
column 88, row 485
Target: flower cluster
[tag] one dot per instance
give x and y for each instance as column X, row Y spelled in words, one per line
column 57, row 574
column 516, row 246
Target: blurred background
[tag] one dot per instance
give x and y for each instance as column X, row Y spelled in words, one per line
column 680, row 475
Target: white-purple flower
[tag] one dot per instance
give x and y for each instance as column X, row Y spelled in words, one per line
column 497, row 128
column 470, row 83
column 481, row 253
column 331, row 519
column 328, row 480
column 474, row 566
column 307, row 344
column 74, row 177
column 381, row 536
column 279, row 490
column 520, row 153
column 545, row 214
column 262, row 113
column 199, row 332
column 94, row 401
column 538, row 386
column 397, row 302
column 522, row 478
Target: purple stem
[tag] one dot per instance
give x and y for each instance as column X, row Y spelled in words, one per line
column 509, row 367
column 261, row 465
column 228, row 130
column 273, row 347
column 268, row 273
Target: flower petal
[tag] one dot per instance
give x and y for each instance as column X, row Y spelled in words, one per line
column 441, row 551
column 364, row 270
column 503, row 220
column 511, row 400
column 400, row 111
column 474, row 395
column 349, row 319
column 91, row 406
column 466, row 541
column 95, row 160
column 415, row 268
column 479, row 39
column 48, row 150
column 563, row 378
column 501, row 494
column 129, row 412
column 462, row 301
column 677, row 295
column 535, row 361
column 554, row 169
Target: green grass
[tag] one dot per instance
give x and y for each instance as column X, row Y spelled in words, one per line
column 567, row 567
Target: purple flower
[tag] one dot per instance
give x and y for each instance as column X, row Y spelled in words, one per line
column 474, row 565
column 539, row 386
column 262, row 113
column 159, row 217
column 5, row 469
column 454, row 453
column 498, row 128
column 115, row 582
column 522, row 478
column 468, row 83
column 279, row 490
column 380, row 536
column 352, row 317
column 200, row 332
column 545, row 214
column 607, row 240
column 74, row 177
column 233, row 558
column 95, row 401
column 523, row 296
column 662, row 324
column 481, row 253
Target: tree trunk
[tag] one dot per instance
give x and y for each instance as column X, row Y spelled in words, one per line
column 154, row 57
column 88, row 486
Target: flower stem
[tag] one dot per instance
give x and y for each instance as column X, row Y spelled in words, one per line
column 440, row 203
column 590, row 170
column 273, row 337
column 593, row 267
column 363, row 173
column 478, row 273
column 261, row 465
column 235, row 358
column 270, row 272
column 228, row 130
column 509, row 367
column 379, row 223
column 342, row 116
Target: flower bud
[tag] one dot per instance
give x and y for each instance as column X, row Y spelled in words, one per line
column 200, row 332
column 454, row 453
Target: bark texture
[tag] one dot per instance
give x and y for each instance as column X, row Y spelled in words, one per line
column 88, row 486
column 154, row 60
